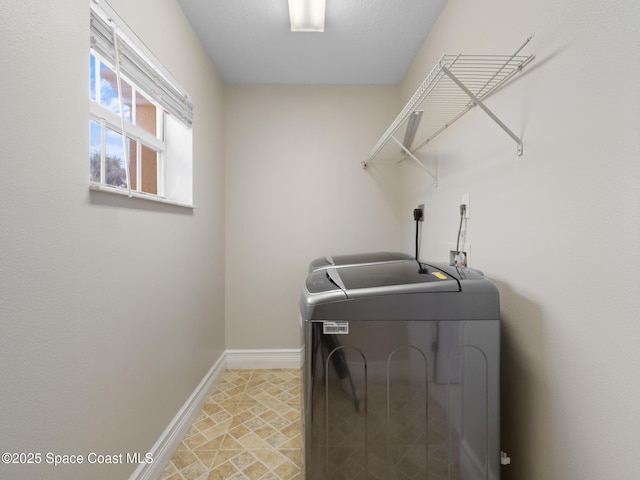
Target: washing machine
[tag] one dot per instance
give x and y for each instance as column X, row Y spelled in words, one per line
column 401, row 374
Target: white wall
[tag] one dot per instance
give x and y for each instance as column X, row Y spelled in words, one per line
column 296, row 191
column 111, row 309
column 556, row 229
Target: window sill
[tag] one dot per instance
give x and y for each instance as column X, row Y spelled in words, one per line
column 143, row 196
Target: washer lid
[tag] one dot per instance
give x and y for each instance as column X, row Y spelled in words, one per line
column 392, row 278
column 398, row 291
column 357, row 259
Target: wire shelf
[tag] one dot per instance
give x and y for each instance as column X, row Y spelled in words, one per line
column 455, row 85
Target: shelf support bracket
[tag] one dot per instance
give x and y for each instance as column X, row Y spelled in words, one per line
column 478, row 102
column 420, row 164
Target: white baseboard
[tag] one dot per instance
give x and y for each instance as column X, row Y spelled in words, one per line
column 284, row 358
column 166, row 445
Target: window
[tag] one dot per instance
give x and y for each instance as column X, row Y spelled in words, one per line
column 140, row 118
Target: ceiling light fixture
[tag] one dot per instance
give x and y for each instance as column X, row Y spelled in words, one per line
column 307, row 15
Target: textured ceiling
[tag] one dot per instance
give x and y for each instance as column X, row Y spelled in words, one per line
column 364, row 42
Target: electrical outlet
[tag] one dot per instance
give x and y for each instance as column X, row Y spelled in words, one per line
column 465, row 249
column 418, row 213
column 458, row 259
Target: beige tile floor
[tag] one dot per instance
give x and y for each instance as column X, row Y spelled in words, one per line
column 250, row 428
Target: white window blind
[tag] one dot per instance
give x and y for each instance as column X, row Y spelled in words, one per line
column 132, row 55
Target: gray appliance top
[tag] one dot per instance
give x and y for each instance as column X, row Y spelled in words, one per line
column 383, row 278
column 398, row 290
column 357, row 259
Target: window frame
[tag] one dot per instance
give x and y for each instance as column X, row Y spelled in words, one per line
column 106, row 118
column 173, row 144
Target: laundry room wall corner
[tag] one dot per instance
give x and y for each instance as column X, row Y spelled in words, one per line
column 295, row 191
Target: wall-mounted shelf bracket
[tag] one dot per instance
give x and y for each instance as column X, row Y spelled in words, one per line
column 413, row 157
